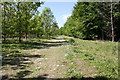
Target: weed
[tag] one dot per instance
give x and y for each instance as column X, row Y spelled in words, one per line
column 73, row 73
column 69, row 56
column 71, row 41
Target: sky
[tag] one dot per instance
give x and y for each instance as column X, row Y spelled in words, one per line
column 61, row 10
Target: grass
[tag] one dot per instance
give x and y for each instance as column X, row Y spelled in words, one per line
column 14, row 54
column 103, row 55
column 13, row 46
column 19, row 57
column 72, row 71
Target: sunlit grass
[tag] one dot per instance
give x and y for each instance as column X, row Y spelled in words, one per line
column 101, row 54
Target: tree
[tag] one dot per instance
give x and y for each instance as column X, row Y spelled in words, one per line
column 112, row 22
column 93, row 20
column 48, row 21
column 54, row 29
column 16, row 18
column 25, row 12
column 37, row 26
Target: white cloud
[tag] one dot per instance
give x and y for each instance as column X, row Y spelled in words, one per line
column 60, row 25
column 66, row 16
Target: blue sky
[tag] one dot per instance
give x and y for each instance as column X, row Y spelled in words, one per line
column 61, row 10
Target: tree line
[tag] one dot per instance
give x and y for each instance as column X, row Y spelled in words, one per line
column 24, row 20
column 94, row 20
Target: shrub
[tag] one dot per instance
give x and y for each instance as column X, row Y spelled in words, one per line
column 71, row 41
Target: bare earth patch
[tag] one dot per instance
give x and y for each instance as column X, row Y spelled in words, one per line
column 50, row 63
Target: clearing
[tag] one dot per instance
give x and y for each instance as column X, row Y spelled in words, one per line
column 52, row 59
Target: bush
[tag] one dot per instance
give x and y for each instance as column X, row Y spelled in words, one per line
column 71, row 41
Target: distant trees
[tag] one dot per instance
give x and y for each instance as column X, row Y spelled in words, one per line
column 89, row 20
column 49, row 23
column 22, row 19
column 94, row 20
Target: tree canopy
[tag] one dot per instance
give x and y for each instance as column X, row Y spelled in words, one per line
column 23, row 20
column 92, row 20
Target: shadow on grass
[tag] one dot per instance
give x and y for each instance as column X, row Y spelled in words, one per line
column 19, row 60
column 44, row 77
column 31, row 44
column 11, row 51
column 11, row 54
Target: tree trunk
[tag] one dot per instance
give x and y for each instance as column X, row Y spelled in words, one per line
column 112, row 27
column 26, row 36
column 4, row 38
column 102, row 35
column 4, row 23
column 20, row 39
column 19, row 24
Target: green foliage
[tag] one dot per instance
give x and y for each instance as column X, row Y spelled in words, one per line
column 49, row 23
column 23, row 20
column 92, row 21
column 71, row 41
column 16, row 18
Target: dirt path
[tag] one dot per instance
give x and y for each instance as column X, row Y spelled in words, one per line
column 50, row 64
column 47, row 62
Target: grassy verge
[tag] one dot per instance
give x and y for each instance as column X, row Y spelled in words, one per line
column 103, row 55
